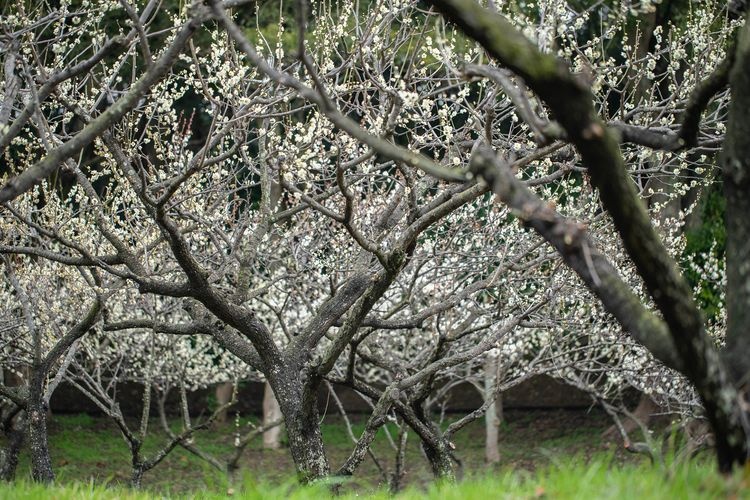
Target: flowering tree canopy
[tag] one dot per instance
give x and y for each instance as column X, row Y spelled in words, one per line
column 346, row 198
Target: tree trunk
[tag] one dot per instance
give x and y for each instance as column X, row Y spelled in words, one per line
column 136, row 477
column 643, row 412
column 493, row 414
column 41, row 464
column 298, row 402
column 438, row 455
column 271, row 414
column 440, row 461
column 14, row 434
column 736, row 176
column 736, row 168
column 493, row 418
column 223, row 394
column 14, row 429
column 306, row 447
column 399, row 469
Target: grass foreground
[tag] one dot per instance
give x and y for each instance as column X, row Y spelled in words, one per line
column 90, row 450
column 576, row 478
column 545, row 454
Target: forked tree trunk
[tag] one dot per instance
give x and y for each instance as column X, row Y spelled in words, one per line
column 271, row 414
column 41, row 464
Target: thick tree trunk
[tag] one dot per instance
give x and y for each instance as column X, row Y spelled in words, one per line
column 736, row 175
column 136, row 477
column 440, row 461
column 299, row 405
column 306, row 446
column 737, row 194
column 271, row 414
column 41, row 464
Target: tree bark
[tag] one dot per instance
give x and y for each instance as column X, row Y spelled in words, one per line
column 271, row 414
column 440, row 461
column 437, row 453
column 643, row 413
column 41, row 463
column 136, row 477
column 493, row 414
column 14, row 429
column 14, row 435
column 298, row 401
column 399, row 470
column 736, row 174
column 306, row 445
column 223, row 394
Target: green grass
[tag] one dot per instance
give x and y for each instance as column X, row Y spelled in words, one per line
column 88, row 451
column 571, row 478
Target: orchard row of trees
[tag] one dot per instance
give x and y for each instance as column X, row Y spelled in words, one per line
column 396, row 197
